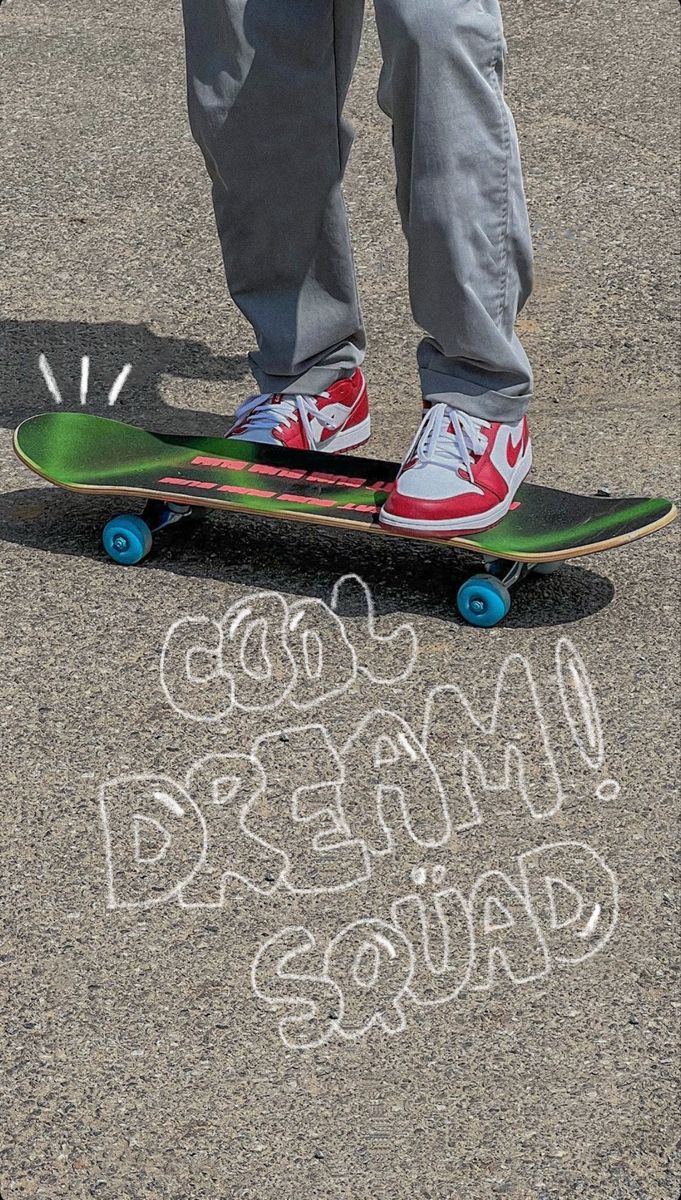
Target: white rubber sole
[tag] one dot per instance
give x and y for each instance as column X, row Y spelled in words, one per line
column 462, row 525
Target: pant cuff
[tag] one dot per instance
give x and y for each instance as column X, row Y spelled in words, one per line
column 341, row 363
column 504, row 406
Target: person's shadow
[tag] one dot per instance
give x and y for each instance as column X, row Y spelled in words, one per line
column 109, row 347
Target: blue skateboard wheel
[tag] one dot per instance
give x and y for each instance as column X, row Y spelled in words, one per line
column 483, row 600
column 127, row 539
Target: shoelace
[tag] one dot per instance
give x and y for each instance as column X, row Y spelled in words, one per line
column 260, row 412
column 448, row 438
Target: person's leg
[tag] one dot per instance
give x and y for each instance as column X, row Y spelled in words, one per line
column 461, row 200
column 267, row 80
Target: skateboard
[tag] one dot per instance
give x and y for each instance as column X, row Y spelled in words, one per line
column 176, row 475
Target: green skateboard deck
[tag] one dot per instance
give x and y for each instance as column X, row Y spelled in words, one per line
column 94, row 455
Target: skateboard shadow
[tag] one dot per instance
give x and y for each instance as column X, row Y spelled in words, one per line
column 297, row 559
column 109, row 347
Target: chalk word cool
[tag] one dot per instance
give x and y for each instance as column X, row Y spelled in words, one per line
column 296, row 814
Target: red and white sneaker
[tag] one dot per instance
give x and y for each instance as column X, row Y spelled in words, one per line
column 337, row 419
column 460, row 475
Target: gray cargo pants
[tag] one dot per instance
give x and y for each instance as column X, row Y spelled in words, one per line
column 267, row 81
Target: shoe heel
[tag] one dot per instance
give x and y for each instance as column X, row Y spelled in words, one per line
column 349, row 439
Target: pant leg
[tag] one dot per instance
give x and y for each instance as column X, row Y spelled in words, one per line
column 461, row 200
column 267, row 80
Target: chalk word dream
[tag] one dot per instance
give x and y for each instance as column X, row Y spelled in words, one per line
column 298, row 814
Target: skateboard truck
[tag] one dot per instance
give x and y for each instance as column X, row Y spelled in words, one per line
column 128, row 539
column 486, row 599
column 158, row 514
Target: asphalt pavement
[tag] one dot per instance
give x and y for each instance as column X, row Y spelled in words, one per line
column 311, row 891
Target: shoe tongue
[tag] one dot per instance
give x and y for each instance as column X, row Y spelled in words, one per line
column 473, row 448
column 450, row 430
column 284, row 400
